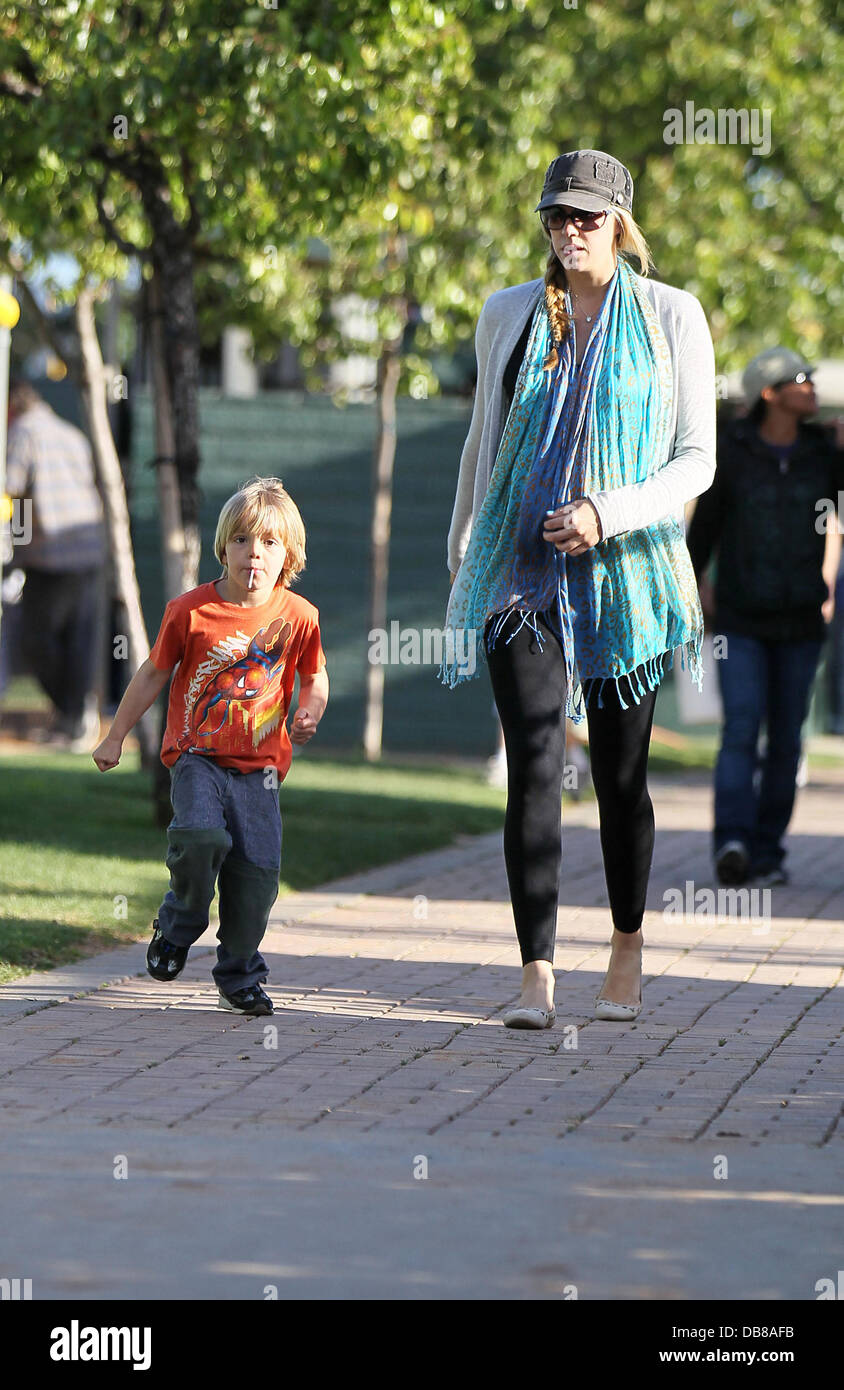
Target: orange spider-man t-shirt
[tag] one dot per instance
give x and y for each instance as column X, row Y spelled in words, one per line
column 231, row 693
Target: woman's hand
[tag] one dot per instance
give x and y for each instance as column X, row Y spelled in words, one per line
column 574, row 528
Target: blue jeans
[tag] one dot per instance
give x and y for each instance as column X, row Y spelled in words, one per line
column 227, row 826
column 836, row 661
column 770, row 683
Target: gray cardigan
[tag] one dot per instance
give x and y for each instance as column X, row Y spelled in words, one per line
column 685, row 473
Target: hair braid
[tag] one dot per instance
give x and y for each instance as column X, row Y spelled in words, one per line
column 555, row 303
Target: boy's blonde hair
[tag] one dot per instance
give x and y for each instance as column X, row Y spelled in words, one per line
column 260, row 507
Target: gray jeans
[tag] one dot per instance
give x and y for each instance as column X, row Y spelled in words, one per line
column 226, row 826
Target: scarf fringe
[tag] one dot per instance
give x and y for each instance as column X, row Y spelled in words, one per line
column 457, row 665
column 655, row 669
column 452, row 673
column 528, row 619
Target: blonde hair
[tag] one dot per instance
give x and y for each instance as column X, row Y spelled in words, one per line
column 260, row 507
column 629, row 241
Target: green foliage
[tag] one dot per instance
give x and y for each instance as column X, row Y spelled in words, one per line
column 411, row 138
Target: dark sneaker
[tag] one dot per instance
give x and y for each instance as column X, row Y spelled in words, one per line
column 732, row 862
column 769, row 878
column 252, row 1000
column 164, row 960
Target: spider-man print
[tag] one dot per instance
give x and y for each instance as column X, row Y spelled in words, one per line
column 247, row 681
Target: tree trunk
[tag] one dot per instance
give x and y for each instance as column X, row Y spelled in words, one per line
column 175, row 358
column 178, row 575
column 176, row 580
column 110, row 474
column 181, row 332
column 389, row 367
column 174, row 271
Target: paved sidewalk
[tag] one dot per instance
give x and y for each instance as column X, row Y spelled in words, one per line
column 695, row 1153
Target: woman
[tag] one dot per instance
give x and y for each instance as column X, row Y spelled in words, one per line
column 593, row 424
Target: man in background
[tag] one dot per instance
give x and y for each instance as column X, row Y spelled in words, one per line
column 50, row 465
column 776, row 561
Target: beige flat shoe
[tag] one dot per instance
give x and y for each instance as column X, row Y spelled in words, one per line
column 529, row 1018
column 617, row 1013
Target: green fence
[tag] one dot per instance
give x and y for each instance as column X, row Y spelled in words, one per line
column 323, row 453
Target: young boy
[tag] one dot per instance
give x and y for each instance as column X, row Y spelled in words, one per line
column 239, row 643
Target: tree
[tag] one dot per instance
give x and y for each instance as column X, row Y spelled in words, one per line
column 412, row 137
column 159, row 177
column 187, row 119
column 83, row 359
column 751, row 228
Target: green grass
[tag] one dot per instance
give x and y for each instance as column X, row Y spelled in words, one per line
column 82, row 862
column 698, row 755
column 25, row 692
column 702, row 749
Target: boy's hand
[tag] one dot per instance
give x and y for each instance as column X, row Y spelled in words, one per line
column 108, row 753
column 304, row 726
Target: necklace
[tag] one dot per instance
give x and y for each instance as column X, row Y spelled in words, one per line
column 588, row 317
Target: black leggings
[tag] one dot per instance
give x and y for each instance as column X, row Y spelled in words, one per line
column 529, row 686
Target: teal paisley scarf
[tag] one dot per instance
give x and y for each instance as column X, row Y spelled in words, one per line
column 631, row 600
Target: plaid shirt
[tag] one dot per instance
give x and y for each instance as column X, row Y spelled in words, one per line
column 49, row 461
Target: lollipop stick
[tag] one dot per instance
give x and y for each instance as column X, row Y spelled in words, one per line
column 251, row 578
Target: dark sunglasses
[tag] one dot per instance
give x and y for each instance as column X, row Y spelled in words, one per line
column 794, row 380
column 554, row 219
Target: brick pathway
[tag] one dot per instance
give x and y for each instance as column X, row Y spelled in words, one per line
column 386, row 1041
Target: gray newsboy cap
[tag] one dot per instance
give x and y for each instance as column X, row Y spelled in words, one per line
column 588, row 179
column 774, row 365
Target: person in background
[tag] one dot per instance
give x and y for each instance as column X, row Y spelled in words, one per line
column 836, row 644
column 11, row 588
column 49, row 464
column 776, row 559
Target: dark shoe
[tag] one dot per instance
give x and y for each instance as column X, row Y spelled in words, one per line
column 732, row 862
column 769, row 878
column 164, row 960
column 252, row 1001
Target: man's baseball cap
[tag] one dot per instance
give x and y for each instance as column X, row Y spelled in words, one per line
column 586, row 179
column 771, row 368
